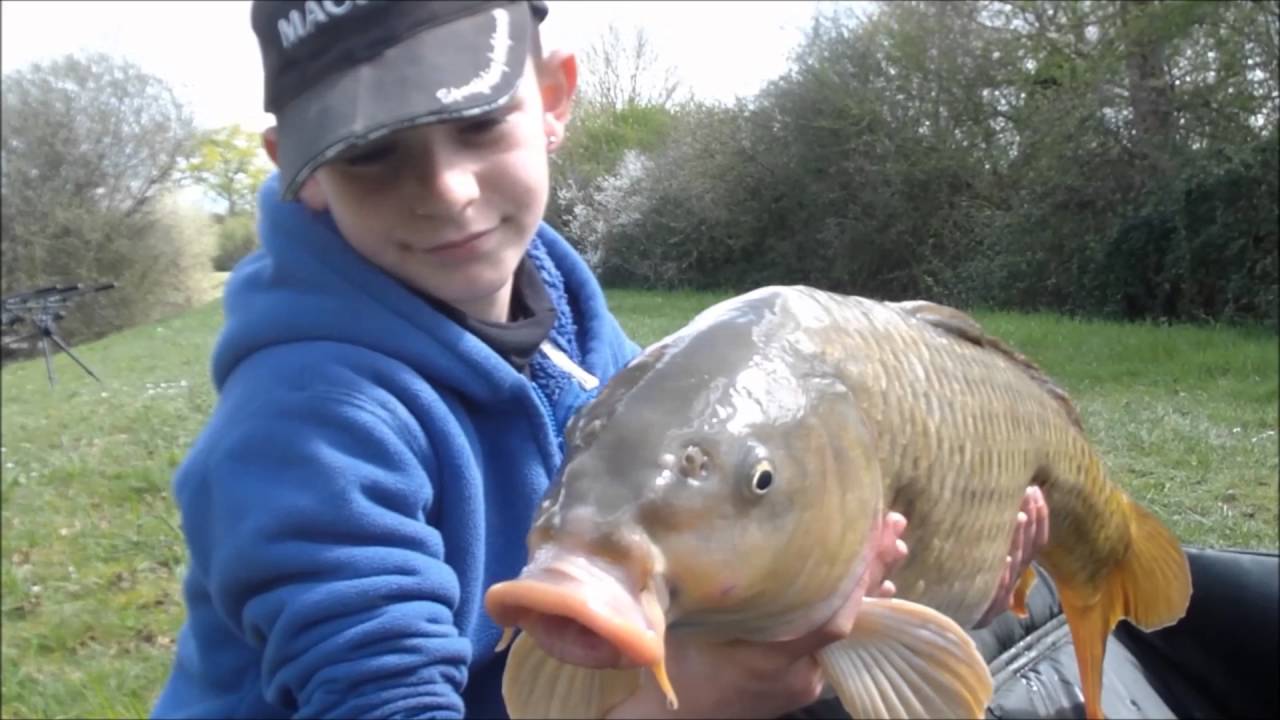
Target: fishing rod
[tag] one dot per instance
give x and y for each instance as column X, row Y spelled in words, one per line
column 41, row 309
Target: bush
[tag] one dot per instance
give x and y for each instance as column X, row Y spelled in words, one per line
column 161, row 271
column 941, row 151
column 1206, row 249
column 179, row 246
column 91, row 144
column 596, row 141
column 237, row 237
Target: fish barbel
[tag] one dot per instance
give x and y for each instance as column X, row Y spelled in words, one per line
column 727, row 483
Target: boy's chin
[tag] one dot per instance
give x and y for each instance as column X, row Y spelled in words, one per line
column 479, row 285
column 483, row 298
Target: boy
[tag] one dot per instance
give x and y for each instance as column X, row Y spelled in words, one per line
column 398, row 365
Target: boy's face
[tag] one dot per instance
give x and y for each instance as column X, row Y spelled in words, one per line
column 449, row 208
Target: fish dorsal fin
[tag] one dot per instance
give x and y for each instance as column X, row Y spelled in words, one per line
column 536, row 685
column 964, row 327
column 905, row 660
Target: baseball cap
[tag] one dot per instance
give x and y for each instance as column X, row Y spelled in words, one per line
column 340, row 74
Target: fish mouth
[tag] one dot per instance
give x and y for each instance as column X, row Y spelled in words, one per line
column 581, row 611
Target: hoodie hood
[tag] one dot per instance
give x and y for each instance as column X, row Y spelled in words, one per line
column 305, row 284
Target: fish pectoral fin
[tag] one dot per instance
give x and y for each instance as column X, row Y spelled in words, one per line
column 1021, row 591
column 536, row 685
column 905, row 660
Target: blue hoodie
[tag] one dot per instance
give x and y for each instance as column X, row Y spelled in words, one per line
column 369, row 470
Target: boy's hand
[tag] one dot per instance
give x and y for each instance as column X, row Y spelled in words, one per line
column 744, row 680
column 1029, row 538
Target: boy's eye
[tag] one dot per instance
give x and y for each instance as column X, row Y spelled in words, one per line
column 481, row 126
column 371, row 156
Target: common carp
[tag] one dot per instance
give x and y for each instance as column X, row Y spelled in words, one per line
column 727, row 482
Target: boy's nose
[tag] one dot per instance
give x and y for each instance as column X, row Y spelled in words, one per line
column 444, row 185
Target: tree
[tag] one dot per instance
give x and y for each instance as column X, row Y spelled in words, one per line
column 625, row 102
column 228, row 164
column 1091, row 157
column 91, row 145
column 621, row 71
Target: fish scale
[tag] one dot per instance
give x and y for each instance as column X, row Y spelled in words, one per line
column 970, row 501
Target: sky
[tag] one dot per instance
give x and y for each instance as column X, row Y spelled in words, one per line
column 209, row 55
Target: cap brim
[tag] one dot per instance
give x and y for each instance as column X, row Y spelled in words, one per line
column 461, row 69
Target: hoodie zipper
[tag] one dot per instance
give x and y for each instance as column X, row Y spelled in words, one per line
column 577, row 373
column 561, row 359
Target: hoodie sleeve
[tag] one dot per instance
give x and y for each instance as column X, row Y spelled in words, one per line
column 310, row 529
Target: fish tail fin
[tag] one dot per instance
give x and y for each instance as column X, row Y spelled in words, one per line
column 1150, row 587
column 1157, row 578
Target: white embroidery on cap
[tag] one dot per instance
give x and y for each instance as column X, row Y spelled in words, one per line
column 484, row 82
column 295, row 25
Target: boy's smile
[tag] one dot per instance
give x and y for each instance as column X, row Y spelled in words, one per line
column 449, row 208
column 459, row 250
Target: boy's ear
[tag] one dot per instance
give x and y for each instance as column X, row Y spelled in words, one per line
column 270, row 143
column 310, row 193
column 557, row 80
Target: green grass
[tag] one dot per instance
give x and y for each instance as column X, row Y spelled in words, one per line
column 92, row 559
column 1186, row 417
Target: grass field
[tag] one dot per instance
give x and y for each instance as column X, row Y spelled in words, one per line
column 1186, row 417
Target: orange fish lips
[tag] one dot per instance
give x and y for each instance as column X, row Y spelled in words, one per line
column 580, row 611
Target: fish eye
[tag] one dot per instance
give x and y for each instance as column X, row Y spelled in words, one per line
column 762, row 477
